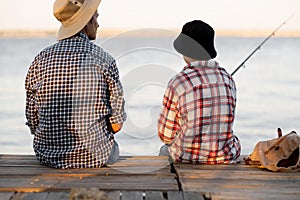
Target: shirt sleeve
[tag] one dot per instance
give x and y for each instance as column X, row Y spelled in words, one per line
column 30, row 110
column 116, row 93
column 168, row 123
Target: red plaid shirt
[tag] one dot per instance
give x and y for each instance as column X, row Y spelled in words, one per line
column 198, row 113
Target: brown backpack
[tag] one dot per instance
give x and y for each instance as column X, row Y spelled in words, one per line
column 279, row 154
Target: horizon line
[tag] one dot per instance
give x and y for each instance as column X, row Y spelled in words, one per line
column 150, row 33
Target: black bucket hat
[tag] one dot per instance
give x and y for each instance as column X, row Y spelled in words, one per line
column 196, row 41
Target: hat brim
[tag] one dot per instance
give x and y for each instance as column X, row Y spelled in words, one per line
column 79, row 20
column 187, row 46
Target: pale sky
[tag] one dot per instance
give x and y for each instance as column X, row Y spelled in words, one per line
column 135, row 14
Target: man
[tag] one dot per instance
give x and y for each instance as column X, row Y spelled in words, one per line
column 74, row 98
column 199, row 103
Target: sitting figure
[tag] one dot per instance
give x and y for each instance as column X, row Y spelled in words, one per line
column 74, row 98
column 199, row 103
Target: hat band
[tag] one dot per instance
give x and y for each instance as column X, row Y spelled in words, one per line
column 77, row 15
column 77, row 3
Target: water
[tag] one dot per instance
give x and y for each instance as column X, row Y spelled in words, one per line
column 268, row 89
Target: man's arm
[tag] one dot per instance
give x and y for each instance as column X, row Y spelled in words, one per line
column 30, row 110
column 117, row 102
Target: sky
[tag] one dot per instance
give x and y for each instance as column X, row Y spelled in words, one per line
column 165, row 14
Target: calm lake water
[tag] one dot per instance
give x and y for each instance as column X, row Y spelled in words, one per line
column 268, row 88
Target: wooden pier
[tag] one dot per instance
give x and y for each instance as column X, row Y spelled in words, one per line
column 144, row 177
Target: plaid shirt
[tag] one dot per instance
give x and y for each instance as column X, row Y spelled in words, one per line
column 198, row 113
column 72, row 91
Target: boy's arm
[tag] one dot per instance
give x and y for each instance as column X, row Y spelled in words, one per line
column 168, row 124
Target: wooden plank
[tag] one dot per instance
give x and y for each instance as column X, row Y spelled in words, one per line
column 253, row 195
column 218, row 185
column 193, row 195
column 62, row 183
column 237, row 182
column 57, row 196
column 143, row 157
column 36, row 196
column 29, row 161
column 105, row 171
column 132, row 195
column 6, row 195
column 141, row 170
column 215, row 167
column 256, row 174
column 141, row 164
column 14, row 158
column 23, row 174
column 114, row 195
column 92, row 194
column 18, row 196
column 11, row 156
column 20, row 163
column 154, row 195
column 175, row 195
column 16, row 165
column 148, row 176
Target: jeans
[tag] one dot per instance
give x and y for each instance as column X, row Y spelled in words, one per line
column 114, row 154
column 164, row 151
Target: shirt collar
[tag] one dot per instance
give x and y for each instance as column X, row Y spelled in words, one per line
column 82, row 35
column 208, row 63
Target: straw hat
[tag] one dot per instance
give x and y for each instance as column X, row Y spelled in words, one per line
column 73, row 15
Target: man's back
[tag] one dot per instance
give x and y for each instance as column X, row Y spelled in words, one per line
column 68, row 103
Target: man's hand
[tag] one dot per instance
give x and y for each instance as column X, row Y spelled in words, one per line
column 116, row 127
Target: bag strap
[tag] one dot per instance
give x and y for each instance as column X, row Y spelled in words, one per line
column 275, row 145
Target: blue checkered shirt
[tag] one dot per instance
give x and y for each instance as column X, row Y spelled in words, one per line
column 72, row 92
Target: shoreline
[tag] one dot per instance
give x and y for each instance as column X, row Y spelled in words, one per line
column 149, row 33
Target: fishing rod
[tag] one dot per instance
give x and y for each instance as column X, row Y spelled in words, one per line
column 260, row 45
